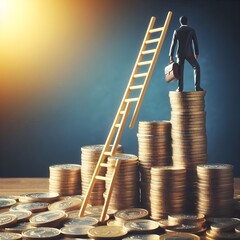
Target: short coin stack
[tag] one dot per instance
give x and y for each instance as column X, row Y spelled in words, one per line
column 65, row 179
column 189, row 140
column 89, row 158
column 154, row 149
column 167, row 191
column 126, row 190
column 215, row 190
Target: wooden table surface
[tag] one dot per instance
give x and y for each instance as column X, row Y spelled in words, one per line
column 17, row 186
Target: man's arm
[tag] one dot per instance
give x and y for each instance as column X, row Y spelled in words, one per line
column 173, row 44
column 195, row 44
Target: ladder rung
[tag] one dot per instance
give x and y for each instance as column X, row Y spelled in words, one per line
column 131, row 100
column 144, row 63
column 136, row 87
column 118, row 125
column 107, row 153
column 103, row 178
column 156, row 30
column 152, row 40
column 106, row 165
column 149, row 51
column 140, row 75
column 122, row 112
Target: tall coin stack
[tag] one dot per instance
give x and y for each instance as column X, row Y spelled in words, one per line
column 65, row 179
column 154, row 149
column 126, row 190
column 167, row 194
column 89, row 158
column 189, row 140
column 215, row 190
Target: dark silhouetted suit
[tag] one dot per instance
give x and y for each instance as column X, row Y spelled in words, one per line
column 187, row 48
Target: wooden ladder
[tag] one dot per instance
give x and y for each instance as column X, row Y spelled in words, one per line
column 124, row 108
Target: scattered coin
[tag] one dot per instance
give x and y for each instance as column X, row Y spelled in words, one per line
column 39, row 197
column 66, row 204
column 130, row 214
column 182, row 236
column 142, row 237
column 76, row 231
column 141, row 225
column 50, row 218
column 33, row 207
column 22, row 215
column 6, row 202
column 9, row 197
column 107, row 232
column 41, row 233
column 81, row 221
column 19, row 227
column 10, row 236
column 7, row 220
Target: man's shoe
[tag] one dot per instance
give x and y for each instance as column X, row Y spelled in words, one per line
column 199, row 89
column 179, row 89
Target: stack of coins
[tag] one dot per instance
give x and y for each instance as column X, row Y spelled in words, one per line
column 189, row 140
column 154, row 149
column 125, row 192
column 89, row 158
column 167, row 191
column 215, row 190
column 65, row 179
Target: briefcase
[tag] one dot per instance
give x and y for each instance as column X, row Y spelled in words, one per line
column 171, row 72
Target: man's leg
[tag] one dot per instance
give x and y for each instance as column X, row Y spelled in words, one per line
column 192, row 60
column 181, row 70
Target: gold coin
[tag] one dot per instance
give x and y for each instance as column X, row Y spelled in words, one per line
column 66, row 204
column 6, row 202
column 19, row 227
column 41, row 233
column 12, row 236
column 107, row 232
column 141, row 225
column 22, row 215
column 53, row 217
column 113, row 222
column 33, row 207
column 76, row 231
column 178, row 235
column 7, row 220
column 39, row 197
column 131, row 214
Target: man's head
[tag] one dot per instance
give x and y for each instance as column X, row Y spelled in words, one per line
column 183, row 20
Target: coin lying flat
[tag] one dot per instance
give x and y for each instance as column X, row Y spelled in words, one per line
column 10, row 236
column 142, row 237
column 19, row 227
column 7, row 220
column 180, row 236
column 33, row 207
column 39, row 197
column 81, row 221
column 76, row 231
column 98, row 210
column 9, row 197
column 223, row 235
column 6, row 202
column 141, row 225
column 107, row 232
column 41, row 233
column 49, row 218
column 66, row 204
column 22, row 215
column 130, row 214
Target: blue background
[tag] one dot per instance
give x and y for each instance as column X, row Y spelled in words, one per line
column 82, row 114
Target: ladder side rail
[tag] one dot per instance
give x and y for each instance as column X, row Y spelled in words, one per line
column 120, row 130
column 151, row 68
column 135, row 68
column 109, row 192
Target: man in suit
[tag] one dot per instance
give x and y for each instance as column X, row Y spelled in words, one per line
column 187, row 40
